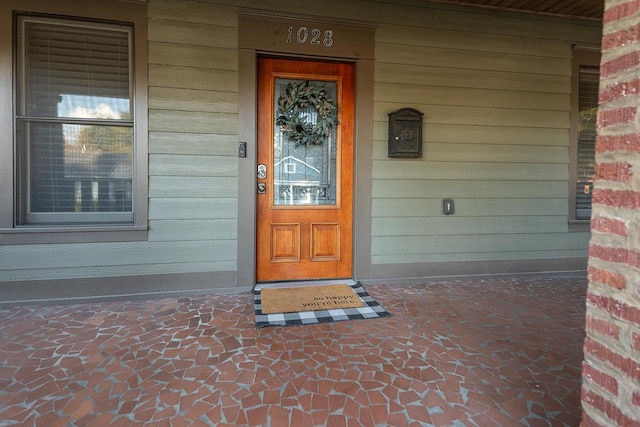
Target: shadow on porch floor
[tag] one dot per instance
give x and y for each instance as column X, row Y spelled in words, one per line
column 472, row 352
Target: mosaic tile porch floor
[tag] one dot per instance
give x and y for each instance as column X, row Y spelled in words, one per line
column 476, row 352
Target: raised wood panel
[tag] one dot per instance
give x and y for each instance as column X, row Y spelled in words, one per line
column 193, row 56
column 191, row 33
column 192, row 187
column 480, row 134
column 112, row 254
column 285, row 242
column 482, row 42
column 325, row 242
column 483, row 153
column 403, row 94
column 468, row 59
column 426, row 189
column 181, row 230
column 399, row 169
column 192, row 165
column 486, row 256
column 470, row 78
column 478, row 244
column 193, row 78
column 196, row 122
column 482, row 116
column 192, row 143
column 183, row 208
column 399, row 209
column 456, row 225
column 161, row 98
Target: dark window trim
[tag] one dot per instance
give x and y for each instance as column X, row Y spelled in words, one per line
column 115, row 11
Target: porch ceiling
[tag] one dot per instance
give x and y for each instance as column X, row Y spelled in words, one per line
column 585, row 9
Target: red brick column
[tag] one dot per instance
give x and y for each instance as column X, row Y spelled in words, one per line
column 611, row 368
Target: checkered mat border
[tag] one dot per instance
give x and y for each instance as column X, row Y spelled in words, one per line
column 371, row 310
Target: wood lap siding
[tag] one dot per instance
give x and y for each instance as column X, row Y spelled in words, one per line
column 193, row 80
column 496, row 99
column 495, row 90
column 193, row 128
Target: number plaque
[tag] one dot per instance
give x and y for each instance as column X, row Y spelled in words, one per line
column 302, row 35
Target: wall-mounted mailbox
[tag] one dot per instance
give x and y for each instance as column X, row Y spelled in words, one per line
column 405, row 133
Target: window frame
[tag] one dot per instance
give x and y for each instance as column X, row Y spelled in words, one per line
column 582, row 56
column 83, row 12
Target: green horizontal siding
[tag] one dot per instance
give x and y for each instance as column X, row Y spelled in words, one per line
column 419, row 189
column 199, row 187
column 127, row 255
column 423, row 208
column 495, row 92
column 479, row 246
column 494, row 88
column 485, row 153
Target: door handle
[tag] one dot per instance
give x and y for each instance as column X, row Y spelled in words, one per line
column 262, row 188
column 262, row 171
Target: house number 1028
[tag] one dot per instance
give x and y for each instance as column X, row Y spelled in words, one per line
column 316, row 37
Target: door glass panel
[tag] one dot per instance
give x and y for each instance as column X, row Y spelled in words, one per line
column 304, row 155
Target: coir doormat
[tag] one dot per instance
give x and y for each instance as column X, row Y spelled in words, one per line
column 315, row 305
column 305, row 298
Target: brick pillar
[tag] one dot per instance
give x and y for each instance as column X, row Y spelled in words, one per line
column 611, row 368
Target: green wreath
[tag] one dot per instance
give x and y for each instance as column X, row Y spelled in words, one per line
column 300, row 96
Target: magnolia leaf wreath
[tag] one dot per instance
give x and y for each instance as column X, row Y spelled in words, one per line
column 298, row 97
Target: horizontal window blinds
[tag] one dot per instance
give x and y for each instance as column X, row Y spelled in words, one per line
column 76, row 127
column 84, row 63
column 588, row 109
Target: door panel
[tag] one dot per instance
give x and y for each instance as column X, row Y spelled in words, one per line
column 304, row 215
column 325, row 242
column 285, row 242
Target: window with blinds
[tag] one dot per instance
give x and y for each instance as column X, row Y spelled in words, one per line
column 587, row 111
column 74, row 123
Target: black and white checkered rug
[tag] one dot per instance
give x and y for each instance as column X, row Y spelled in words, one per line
column 370, row 310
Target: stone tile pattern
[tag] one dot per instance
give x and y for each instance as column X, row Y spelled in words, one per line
column 476, row 352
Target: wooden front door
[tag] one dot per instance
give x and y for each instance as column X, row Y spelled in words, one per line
column 305, row 170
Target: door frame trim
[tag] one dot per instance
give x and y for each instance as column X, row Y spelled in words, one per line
column 247, row 132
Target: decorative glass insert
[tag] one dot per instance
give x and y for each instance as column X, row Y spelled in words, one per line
column 304, row 174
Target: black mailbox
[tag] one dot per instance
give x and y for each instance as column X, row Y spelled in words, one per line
column 405, row 133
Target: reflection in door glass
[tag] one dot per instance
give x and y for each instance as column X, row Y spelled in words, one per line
column 304, row 174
